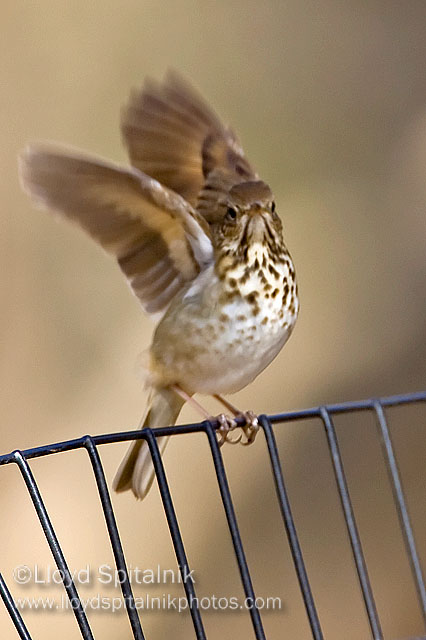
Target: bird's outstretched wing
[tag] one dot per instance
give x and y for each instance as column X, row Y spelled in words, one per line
column 172, row 135
column 158, row 239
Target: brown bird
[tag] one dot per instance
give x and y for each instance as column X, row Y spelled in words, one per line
column 198, row 238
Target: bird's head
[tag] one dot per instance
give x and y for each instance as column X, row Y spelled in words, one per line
column 247, row 216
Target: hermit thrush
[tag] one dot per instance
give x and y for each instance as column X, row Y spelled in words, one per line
column 196, row 234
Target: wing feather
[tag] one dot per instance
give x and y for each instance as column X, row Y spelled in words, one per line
column 158, row 239
column 173, row 135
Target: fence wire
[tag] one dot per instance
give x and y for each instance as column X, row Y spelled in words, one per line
column 325, row 414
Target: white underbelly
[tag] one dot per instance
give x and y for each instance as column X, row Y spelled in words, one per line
column 226, row 358
column 210, row 346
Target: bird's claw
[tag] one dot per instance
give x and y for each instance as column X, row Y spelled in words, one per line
column 249, row 430
column 251, row 427
column 227, row 425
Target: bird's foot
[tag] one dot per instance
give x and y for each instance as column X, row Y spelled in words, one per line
column 249, row 430
column 227, row 425
column 251, row 427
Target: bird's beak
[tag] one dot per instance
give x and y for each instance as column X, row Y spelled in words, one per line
column 257, row 225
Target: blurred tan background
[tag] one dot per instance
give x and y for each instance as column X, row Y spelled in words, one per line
column 329, row 100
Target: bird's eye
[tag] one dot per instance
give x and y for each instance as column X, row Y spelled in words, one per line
column 273, row 207
column 231, row 214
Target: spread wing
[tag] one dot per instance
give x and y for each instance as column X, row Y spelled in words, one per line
column 172, row 135
column 158, row 239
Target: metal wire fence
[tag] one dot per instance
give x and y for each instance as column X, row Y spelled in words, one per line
column 325, row 413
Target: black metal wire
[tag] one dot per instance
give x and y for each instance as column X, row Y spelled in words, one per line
column 120, row 561
column 55, row 548
column 401, row 506
column 150, row 435
column 358, row 554
column 293, row 540
column 234, row 531
column 289, row 416
column 175, row 534
column 13, row 611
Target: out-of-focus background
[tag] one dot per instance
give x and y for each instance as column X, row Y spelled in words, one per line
column 329, row 100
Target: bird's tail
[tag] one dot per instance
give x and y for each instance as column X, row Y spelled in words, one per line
column 136, row 471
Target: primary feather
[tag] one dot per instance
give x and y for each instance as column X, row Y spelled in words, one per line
column 158, row 239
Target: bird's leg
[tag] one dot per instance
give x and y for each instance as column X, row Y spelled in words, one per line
column 190, row 400
column 227, row 424
column 252, row 423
